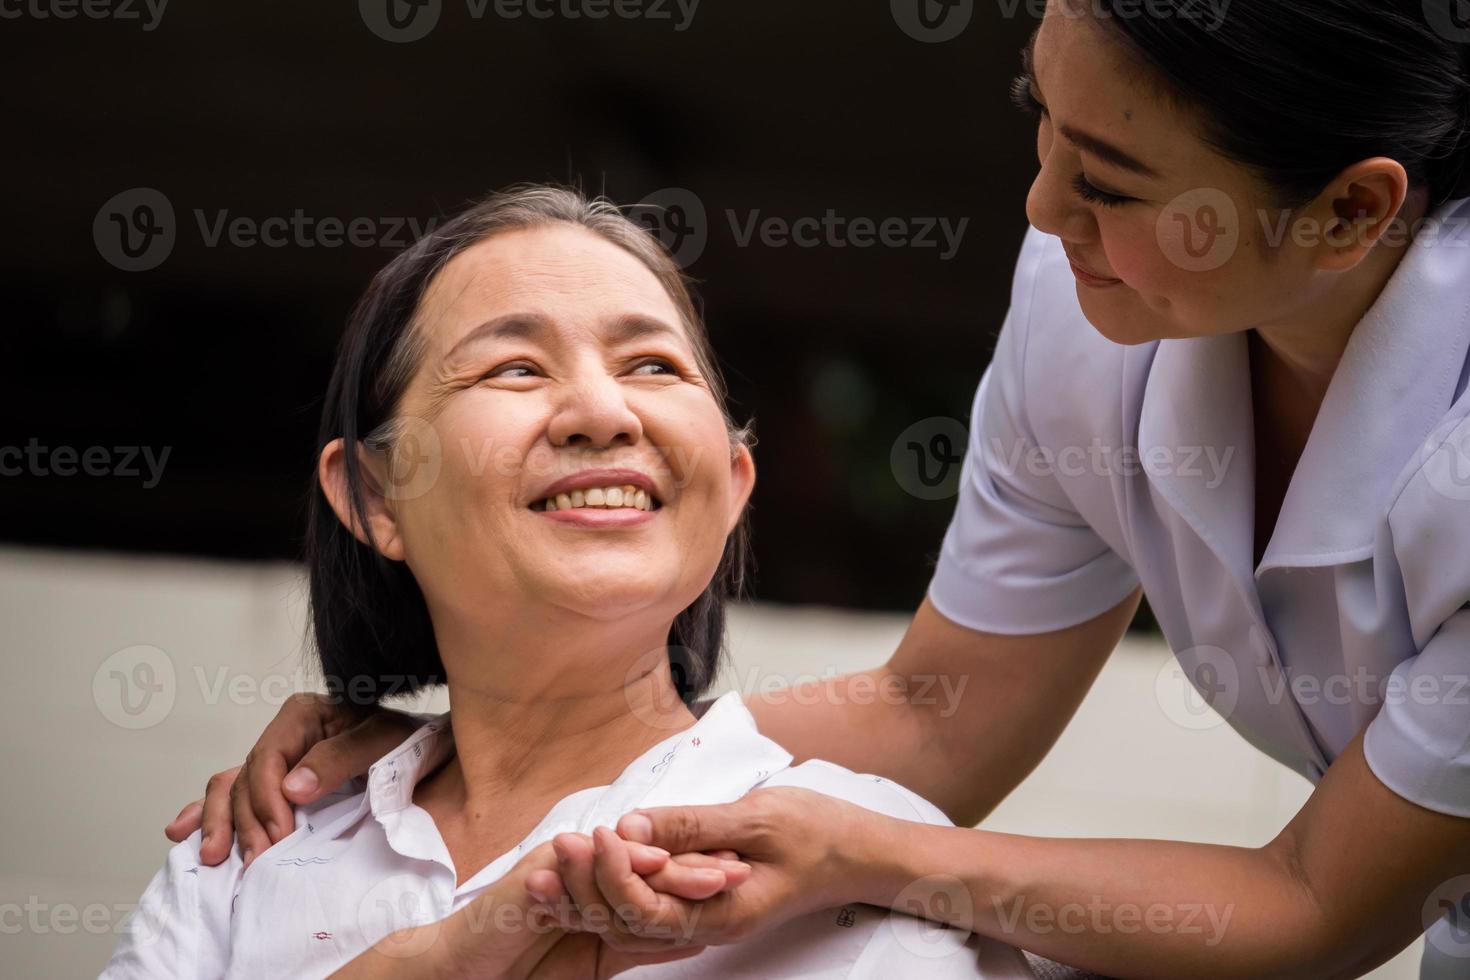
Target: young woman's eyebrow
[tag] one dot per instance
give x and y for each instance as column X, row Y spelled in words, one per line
column 1095, row 145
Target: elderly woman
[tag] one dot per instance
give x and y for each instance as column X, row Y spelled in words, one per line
column 529, row 489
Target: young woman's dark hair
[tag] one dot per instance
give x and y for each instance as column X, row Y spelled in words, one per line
column 1300, row 89
column 368, row 617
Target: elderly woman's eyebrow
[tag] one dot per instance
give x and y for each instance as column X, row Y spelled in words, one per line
column 511, row 326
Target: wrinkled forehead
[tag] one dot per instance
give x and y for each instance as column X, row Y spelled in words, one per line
column 562, row 274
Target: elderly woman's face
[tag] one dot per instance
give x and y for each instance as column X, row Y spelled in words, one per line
column 583, row 461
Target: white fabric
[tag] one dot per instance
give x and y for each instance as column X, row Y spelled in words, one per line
column 364, row 864
column 1093, row 467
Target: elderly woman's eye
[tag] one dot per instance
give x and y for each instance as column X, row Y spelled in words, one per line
column 655, row 365
column 517, row 369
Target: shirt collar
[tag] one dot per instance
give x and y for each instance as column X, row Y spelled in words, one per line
column 720, row 758
column 1397, row 378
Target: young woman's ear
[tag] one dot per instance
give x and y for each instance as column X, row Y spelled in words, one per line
column 742, row 482
column 1359, row 209
column 332, row 473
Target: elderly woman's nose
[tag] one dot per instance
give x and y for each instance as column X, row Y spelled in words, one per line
column 594, row 410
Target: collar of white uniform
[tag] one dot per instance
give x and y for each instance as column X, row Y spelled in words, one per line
column 1396, row 380
column 716, row 760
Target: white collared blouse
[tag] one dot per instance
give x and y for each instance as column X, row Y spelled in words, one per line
column 1094, row 467
column 367, row 862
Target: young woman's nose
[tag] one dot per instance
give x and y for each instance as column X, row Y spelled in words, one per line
column 1052, row 206
column 593, row 411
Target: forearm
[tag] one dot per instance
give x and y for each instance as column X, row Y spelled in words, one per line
column 1122, row 908
column 958, row 716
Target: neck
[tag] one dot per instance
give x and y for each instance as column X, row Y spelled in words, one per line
column 564, row 709
column 1301, row 354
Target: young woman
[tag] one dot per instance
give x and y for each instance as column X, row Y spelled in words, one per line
column 1250, row 246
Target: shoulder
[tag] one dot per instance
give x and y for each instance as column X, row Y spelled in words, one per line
column 866, row 790
column 1429, row 519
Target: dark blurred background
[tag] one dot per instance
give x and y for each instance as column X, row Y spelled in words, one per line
column 216, row 349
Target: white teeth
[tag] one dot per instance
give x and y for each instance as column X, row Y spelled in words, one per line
column 626, row 495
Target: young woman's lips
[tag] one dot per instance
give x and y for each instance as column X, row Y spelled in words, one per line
column 594, row 517
column 1090, row 278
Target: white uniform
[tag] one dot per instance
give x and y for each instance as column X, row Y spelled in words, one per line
column 1094, row 467
column 363, row 864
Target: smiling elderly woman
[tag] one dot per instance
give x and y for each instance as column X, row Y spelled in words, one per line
column 529, row 489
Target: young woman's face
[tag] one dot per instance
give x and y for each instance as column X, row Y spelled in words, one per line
column 555, row 367
column 1165, row 235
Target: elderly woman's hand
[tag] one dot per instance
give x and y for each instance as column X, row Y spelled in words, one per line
column 794, row 840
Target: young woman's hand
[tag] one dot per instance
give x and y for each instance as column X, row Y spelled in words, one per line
column 506, row 934
column 312, row 746
column 794, row 840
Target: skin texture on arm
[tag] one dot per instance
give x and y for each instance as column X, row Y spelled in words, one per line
column 957, row 715
column 1341, row 890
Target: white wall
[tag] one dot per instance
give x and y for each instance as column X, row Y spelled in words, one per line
column 89, row 785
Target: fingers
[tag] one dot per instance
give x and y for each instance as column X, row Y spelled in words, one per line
column 679, row 829
column 574, row 853
column 638, row 907
column 218, row 824
column 264, row 770
column 332, row 761
column 250, row 836
column 185, row 823
column 676, row 878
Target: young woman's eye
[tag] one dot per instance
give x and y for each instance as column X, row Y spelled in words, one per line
column 1023, row 96
column 1096, row 195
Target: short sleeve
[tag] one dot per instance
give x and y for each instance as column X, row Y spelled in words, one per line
column 1018, row 558
column 181, row 925
column 1419, row 743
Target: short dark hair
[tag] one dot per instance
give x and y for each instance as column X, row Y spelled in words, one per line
column 1298, row 90
column 371, row 627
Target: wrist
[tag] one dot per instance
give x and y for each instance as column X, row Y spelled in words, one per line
column 868, row 856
